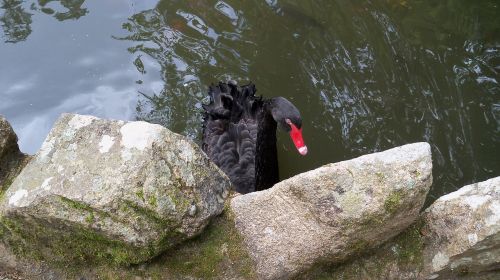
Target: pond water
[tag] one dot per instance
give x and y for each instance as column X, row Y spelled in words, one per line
column 366, row 75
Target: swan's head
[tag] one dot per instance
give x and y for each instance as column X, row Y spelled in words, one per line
column 288, row 118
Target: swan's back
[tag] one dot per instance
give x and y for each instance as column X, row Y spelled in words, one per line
column 230, row 132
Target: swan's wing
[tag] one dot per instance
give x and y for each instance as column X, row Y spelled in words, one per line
column 232, row 148
column 230, row 132
column 242, row 171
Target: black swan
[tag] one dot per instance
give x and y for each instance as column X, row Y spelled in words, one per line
column 239, row 134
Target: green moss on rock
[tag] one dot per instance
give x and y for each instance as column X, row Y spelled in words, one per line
column 5, row 185
column 373, row 220
column 88, row 212
column 12, row 164
column 66, row 245
column 140, row 194
column 410, row 245
column 75, row 204
column 152, row 201
column 218, row 252
column 393, row 202
column 218, row 249
column 405, row 252
column 90, row 218
column 139, row 212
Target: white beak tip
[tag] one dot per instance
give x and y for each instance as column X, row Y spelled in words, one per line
column 303, row 150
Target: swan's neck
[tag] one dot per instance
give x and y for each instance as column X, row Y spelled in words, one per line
column 266, row 156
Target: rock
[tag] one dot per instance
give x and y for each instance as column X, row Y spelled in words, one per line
column 11, row 159
column 110, row 190
column 11, row 266
column 462, row 231
column 8, row 139
column 333, row 212
column 218, row 253
column 457, row 237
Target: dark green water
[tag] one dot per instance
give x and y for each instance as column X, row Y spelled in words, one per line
column 366, row 75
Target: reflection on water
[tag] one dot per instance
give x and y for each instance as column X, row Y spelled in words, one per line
column 69, row 66
column 366, row 75
column 176, row 39
column 15, row 21
column 72, row 8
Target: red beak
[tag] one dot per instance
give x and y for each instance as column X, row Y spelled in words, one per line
column 296, row 135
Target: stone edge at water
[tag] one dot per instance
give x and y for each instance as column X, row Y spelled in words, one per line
column 457, row 237
column 333, row 212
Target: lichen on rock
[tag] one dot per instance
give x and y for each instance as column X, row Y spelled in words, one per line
column 457, row 237
column 463, row 231
column 334, row 212
column 102, row 190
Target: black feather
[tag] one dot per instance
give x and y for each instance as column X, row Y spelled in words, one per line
column 239, row 134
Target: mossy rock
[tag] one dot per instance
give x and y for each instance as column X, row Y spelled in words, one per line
column 217, row 253
column 403, row 253
column 68, row 245
column 10, row 166
column 110, row 191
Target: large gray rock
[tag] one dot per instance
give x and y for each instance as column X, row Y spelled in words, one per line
column 457, row 237
column 111, row 190
column 333, row 212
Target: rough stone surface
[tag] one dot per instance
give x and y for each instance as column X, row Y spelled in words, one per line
column 8, row 139
column 11, row 267
column 216, row 254
column 333, row 212
column 11, row 159
column 111, row 190
column 457, row 237
column 463, row 231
